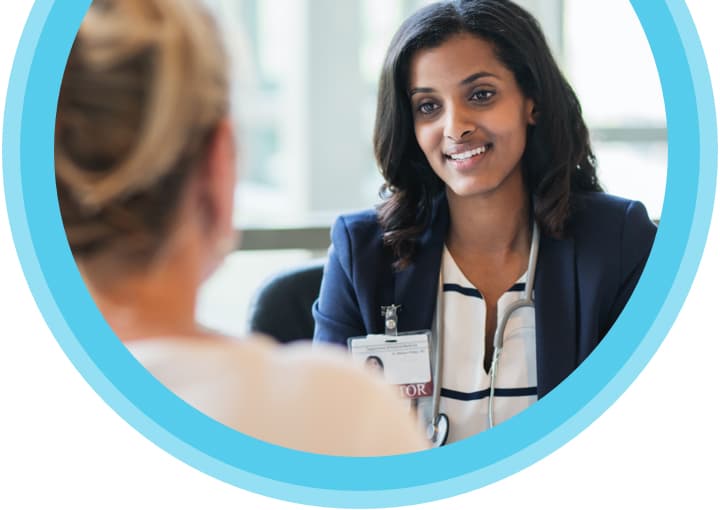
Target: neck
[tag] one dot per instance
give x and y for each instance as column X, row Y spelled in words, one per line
column 492, row 224
column 150, row 304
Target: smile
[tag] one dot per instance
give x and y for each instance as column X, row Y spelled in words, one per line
column 462, row 156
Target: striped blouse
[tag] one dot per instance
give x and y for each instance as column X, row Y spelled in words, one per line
column 465, row 383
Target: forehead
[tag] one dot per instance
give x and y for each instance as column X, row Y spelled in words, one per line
column 454, row 60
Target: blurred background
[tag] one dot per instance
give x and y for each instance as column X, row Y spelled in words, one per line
column 307, row 73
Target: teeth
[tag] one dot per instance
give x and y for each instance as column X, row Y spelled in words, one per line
column 468, row 154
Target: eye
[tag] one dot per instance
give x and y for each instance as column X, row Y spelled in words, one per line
column 482, row 95
column 426, row 107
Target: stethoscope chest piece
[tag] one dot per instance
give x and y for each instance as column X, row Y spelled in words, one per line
column 437, row 432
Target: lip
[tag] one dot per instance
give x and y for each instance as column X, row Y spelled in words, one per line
column 468, row 162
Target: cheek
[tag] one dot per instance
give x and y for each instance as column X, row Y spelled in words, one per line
column 428, row 141
column 513, row 133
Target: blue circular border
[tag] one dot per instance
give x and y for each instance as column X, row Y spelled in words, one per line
column 336, row 481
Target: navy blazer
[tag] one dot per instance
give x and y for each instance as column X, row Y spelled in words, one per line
column 582, row 281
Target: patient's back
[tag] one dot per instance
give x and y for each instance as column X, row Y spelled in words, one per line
column 297, row 396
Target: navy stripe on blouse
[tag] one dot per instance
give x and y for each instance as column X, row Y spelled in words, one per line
column 469, row 291
column 479, row 395
column 465, row 291
column 518, row 287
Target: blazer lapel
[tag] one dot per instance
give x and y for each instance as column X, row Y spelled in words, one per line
column 555, row 312
column 416, row 286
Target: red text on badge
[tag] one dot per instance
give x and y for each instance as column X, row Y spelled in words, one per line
column 416, row 390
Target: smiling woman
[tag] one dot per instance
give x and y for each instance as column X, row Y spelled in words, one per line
column 495, row 235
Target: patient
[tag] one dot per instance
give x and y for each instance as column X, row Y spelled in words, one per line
column 145, row 171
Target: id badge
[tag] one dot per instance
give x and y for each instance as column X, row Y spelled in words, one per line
column 402, row 359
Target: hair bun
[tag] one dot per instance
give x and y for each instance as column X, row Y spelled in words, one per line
column 145, row 83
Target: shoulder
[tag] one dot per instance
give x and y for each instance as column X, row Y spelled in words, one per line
column 603, row 212
column 181, row 362
column 304, row 397
column 358, row 236
column 337, row 407
column 593, row 206
column 359, row 225
column 325, row 371
column 608, row 224
column 205, row 371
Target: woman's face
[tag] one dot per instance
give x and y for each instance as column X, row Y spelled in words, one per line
column 373, row 364
column 470, row 115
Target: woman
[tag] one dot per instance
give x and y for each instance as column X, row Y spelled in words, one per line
column 145, row 176
column 375, row 363
column 490, row 185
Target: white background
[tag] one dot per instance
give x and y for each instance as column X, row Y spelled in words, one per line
column 62, row 446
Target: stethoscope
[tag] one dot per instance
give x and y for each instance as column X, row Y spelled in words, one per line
column 439, row 426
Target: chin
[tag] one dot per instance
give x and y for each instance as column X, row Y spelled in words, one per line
column 475, row 189
column 485, row 183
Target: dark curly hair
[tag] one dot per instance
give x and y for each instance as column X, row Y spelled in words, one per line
column 558, row 159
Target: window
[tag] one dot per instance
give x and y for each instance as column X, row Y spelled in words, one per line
column 610, row 65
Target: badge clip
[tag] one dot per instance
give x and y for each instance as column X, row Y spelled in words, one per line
column 390, row 314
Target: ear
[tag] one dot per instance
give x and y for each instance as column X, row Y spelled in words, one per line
column 531, row 112
column 217, row 184
column 215, row 197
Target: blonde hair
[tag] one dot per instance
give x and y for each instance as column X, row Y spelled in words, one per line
column 145, row 86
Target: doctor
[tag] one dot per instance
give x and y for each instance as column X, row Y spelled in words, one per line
column 481, row 142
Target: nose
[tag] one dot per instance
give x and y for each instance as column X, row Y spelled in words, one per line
column 459, row 123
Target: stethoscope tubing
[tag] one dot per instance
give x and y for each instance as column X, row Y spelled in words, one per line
column 436, row 439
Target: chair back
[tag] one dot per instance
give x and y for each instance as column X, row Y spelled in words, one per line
column 282, row 306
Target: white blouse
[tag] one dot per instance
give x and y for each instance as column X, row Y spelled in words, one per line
column 465, row 383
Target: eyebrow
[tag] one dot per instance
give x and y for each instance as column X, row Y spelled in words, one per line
column 466, row 81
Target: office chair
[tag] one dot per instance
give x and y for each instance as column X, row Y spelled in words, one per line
column 282, row 306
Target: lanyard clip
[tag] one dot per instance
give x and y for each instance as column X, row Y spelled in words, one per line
column 390, row 314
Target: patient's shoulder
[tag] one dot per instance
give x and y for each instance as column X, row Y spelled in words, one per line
column 305, row 397
column 340, row 408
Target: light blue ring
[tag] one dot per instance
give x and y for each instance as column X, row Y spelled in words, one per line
column 376, row 482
